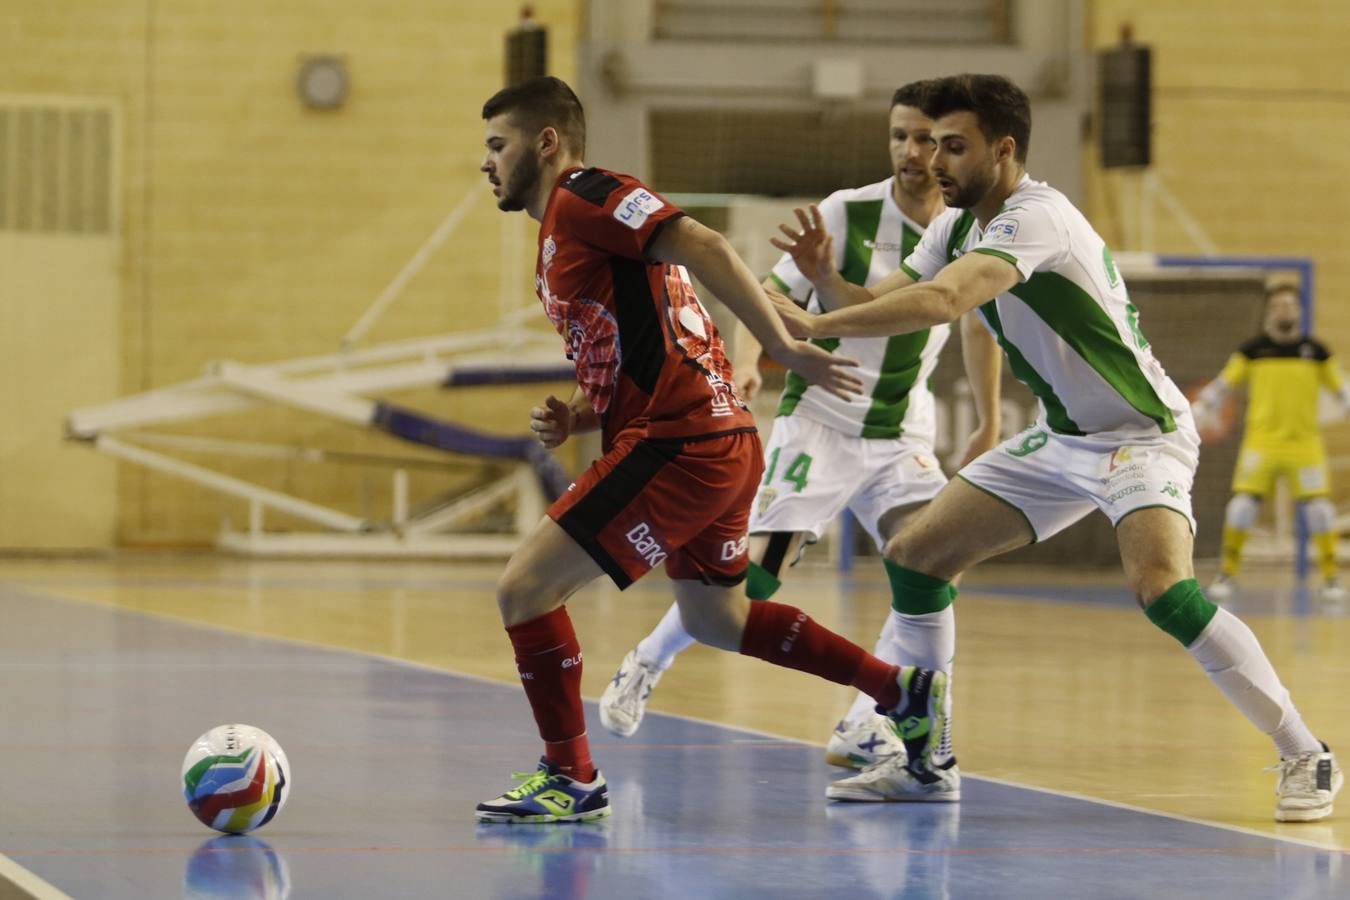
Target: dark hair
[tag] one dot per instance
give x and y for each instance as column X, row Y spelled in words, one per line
column 911, row 94
column 538, row 103
column 1000, row 106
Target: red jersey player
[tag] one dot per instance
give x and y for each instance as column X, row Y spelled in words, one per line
column 681, row 457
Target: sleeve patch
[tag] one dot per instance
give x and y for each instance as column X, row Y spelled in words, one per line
column 1001, row 230
column 634, row 209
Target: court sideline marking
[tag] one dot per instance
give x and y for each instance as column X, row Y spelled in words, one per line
column 17, row 883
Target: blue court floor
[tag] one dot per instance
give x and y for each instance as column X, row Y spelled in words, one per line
column 388, row 760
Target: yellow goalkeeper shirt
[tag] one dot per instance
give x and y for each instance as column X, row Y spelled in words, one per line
column 1282, row 386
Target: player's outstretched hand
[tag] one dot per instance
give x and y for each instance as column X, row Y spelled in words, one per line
column 798, row 321
column 810, row 247
column 748, row 381
column 822, row 368
column 1208, row 418
column 552, row 422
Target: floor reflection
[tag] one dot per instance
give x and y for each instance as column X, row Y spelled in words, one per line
column 563, row 858
column 236, row 867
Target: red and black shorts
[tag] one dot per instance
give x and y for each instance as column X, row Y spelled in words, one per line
column 684, row 502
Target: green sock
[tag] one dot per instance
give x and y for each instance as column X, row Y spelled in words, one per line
column 1182, row 611
column 760, row 583
column 916, row 594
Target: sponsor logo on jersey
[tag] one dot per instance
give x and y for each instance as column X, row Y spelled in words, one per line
column 640, row 536
column 883, row 246
column 634, row 209
column 1123, row 465
column 549, row 250
column 1135, row 488
column 724, row 401
column 1172, row 490
column 766, row 497
column 732, row 549
column 1001, row 230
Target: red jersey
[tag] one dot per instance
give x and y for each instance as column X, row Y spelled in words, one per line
column 647, row 353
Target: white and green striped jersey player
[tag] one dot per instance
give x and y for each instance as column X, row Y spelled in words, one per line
column 871, row 237
column 1069, row 329
column 1114, row 432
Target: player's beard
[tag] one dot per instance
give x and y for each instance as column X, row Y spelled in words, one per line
column 973, row 191
column 520, row 185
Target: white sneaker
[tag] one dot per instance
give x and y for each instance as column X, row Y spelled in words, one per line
column 1308, row 784
column 1220, row 590
column 1332, row 593
column 857, row 745
column 624, row 701
column 895, row 780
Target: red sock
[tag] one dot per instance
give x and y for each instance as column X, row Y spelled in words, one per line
column 548, row 658
column 786, row 636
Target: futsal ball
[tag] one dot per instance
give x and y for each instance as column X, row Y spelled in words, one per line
column 236, row 778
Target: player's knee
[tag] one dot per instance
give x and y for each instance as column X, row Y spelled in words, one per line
column 909, row 552
column 522, row 595
column 510, row 590
column 1240, row 514
column 1151, row 582
column 1319, row 515
column 714, row 626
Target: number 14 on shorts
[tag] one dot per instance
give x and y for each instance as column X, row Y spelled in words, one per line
column 796, row 471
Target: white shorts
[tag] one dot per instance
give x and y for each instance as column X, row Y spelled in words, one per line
column 812, row 472
column 1056, row 479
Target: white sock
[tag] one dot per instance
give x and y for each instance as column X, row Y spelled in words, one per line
column 927, row 641
column 1233, row 659
column 659, row 649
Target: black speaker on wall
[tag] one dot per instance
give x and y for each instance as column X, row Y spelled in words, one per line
column 1125, row 79
column 526, row 52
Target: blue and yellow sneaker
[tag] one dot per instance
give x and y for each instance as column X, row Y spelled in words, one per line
column 927, row 771
column 547, row 795
column 921, row 720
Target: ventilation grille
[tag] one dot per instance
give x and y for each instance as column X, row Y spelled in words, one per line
column 740, row 151
column 56, row 166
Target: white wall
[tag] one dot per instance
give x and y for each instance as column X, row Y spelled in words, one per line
column 622, row 74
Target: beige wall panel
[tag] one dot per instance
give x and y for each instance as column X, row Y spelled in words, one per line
column 1252, row 136
column 256, row 229
column 58, row 307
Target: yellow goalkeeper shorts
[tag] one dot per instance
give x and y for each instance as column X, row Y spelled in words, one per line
column 1303, row 466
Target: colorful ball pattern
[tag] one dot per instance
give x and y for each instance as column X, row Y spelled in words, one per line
column 236, row 778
